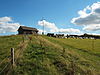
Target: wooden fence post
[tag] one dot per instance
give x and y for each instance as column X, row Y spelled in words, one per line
column 63, row 50
column 12, row 57
column 23, row 38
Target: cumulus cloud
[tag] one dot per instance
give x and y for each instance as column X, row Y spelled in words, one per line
column 53, row 28
column 6, row 25
column 49, row 25
column 89, row 17
column 92, row 28
column 70, row 30
column 40, row 31
column 95, row 33
column 5, row 19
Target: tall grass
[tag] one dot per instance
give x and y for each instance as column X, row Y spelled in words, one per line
column 54, row 56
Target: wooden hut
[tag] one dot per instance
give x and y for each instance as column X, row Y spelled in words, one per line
column 27, row 30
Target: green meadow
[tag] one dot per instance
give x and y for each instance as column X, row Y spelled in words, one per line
column 43, row 55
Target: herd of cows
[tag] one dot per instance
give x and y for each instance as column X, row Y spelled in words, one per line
column 84, row 36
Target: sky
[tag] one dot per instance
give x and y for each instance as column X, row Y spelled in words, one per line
column 57, row 16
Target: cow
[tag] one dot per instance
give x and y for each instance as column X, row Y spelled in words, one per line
column 59, row 35
column 50, row 34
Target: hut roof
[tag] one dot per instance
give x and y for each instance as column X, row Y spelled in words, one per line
column 28, row 28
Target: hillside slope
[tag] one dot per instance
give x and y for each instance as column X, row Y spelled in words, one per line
column 42, row 55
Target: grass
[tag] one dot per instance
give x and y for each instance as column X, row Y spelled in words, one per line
column 6, row 43
column 53, row 56
column 81, row 50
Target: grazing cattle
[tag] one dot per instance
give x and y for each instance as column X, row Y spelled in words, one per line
column 60, row 35
column 84, row 36
column 73, row 36
column 56, row 36
column 50, row 34
column 96, row 37
column 90, row 36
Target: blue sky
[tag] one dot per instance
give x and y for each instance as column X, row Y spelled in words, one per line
column 57, row 13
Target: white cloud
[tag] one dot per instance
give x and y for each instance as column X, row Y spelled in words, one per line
column 6, row 25
column 83, row 13
column 89, row 16
column 92, row 27
column 5, row 19
column 49, row 25
column 53, row 28
column 70, row 30
column 40, row 31
column 95, row 33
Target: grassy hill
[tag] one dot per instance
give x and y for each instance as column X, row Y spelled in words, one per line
column 44, row 55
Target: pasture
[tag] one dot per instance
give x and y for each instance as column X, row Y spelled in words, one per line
column 43, row 55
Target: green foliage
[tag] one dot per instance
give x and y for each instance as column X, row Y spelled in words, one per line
column 53, row 56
